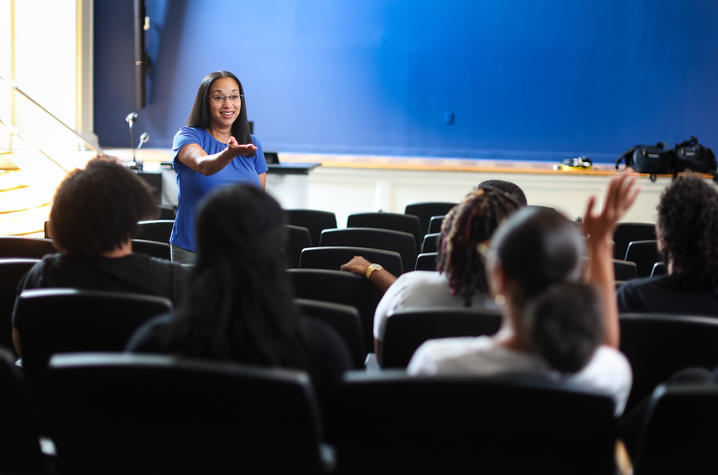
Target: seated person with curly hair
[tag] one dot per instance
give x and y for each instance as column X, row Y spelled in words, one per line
column 93, row 219
column 461, row 280
column 686, row 229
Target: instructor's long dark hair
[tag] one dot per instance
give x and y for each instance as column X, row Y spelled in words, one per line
column 200, row 117
column 239, row 306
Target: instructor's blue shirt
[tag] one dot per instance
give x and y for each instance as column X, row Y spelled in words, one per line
column 193, row 186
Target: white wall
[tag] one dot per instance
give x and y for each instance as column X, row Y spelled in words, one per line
column 347, row 190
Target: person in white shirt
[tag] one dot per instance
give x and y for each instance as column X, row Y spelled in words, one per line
column 460, row 281
column 552, row 325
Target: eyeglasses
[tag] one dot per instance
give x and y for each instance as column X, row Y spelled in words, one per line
column 220, row 99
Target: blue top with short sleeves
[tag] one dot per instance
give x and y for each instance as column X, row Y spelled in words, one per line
column 193, row 186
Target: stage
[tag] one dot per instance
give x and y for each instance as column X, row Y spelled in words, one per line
column 348, row 184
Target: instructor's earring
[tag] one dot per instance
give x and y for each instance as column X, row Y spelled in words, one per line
column 499, row 300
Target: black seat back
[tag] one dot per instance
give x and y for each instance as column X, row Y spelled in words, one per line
column 298, row 238
column 342, row 288
column 426, row 261
column 11, row 272
column 679, row 434
column 406, row 330
column 160, row 250
column 158, row 230
column 394, row 221
column 124, row 413
column 627, row 232
column 314, row 220
column 645, row 254
column 19, row 435
column 385, row 239
column 332, row 257
column 435, row 224
column 343, row 318
column 424, row 211
column 659, row 345
column 69, row 320
column 430, row 243
column 394, row 423
column 23, row 247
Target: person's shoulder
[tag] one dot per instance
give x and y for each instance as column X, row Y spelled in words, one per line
column 186, row 131
column 186, row 135
column 641, row 287
column 35, row 275
column 155, row 264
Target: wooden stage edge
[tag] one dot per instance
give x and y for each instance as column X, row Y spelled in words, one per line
column 154, row 157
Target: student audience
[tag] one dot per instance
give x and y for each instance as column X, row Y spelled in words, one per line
column 551, row 322
column 461, row 280
column 92, row 222
column 686, row 229
column 239, row 305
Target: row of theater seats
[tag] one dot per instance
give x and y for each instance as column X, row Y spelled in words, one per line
column 119, row 413
column 66, row 320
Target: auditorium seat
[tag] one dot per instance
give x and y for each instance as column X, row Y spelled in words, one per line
column 150, row 414
column 393, row 423
column 426, row 261
column 160, row 250
column 627, row 232
column 19, row 429
column 384, row 239
column 645, row 254
column 342, row 288
column 659, row 268
column 11, row 272
column 158, row 230
column 658, row 345
column 435, row 224
column 430, row 243
column 424, row 211
column 343, row 318
column 406, row 330
column 332, row 257
column 393, row 221
column 167, row 212
column 24, row 247
column 69, row 320
column 314, row 220
column 298, row 238
column 679, row 434
column 624, row 270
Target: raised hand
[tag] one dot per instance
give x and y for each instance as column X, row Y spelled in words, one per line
column 621, row 194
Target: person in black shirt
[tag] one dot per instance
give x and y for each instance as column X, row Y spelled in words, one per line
column 686, row 229
column 92, row 222
column 240, row 304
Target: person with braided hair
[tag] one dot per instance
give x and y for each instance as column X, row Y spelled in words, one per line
column 687, row 227
column 461, row 278
column 553, row 324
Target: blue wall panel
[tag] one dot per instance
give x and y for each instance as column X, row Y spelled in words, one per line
column 524, row 79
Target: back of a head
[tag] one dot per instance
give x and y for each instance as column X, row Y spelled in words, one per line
column 96, row 209
column 564, row 325
column 469, row 224
column 240, row 303
column 687, row 227
column 239, row 220
column 507, row 187
column 538, row 248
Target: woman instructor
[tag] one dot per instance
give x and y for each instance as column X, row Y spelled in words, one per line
column 214, row 148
